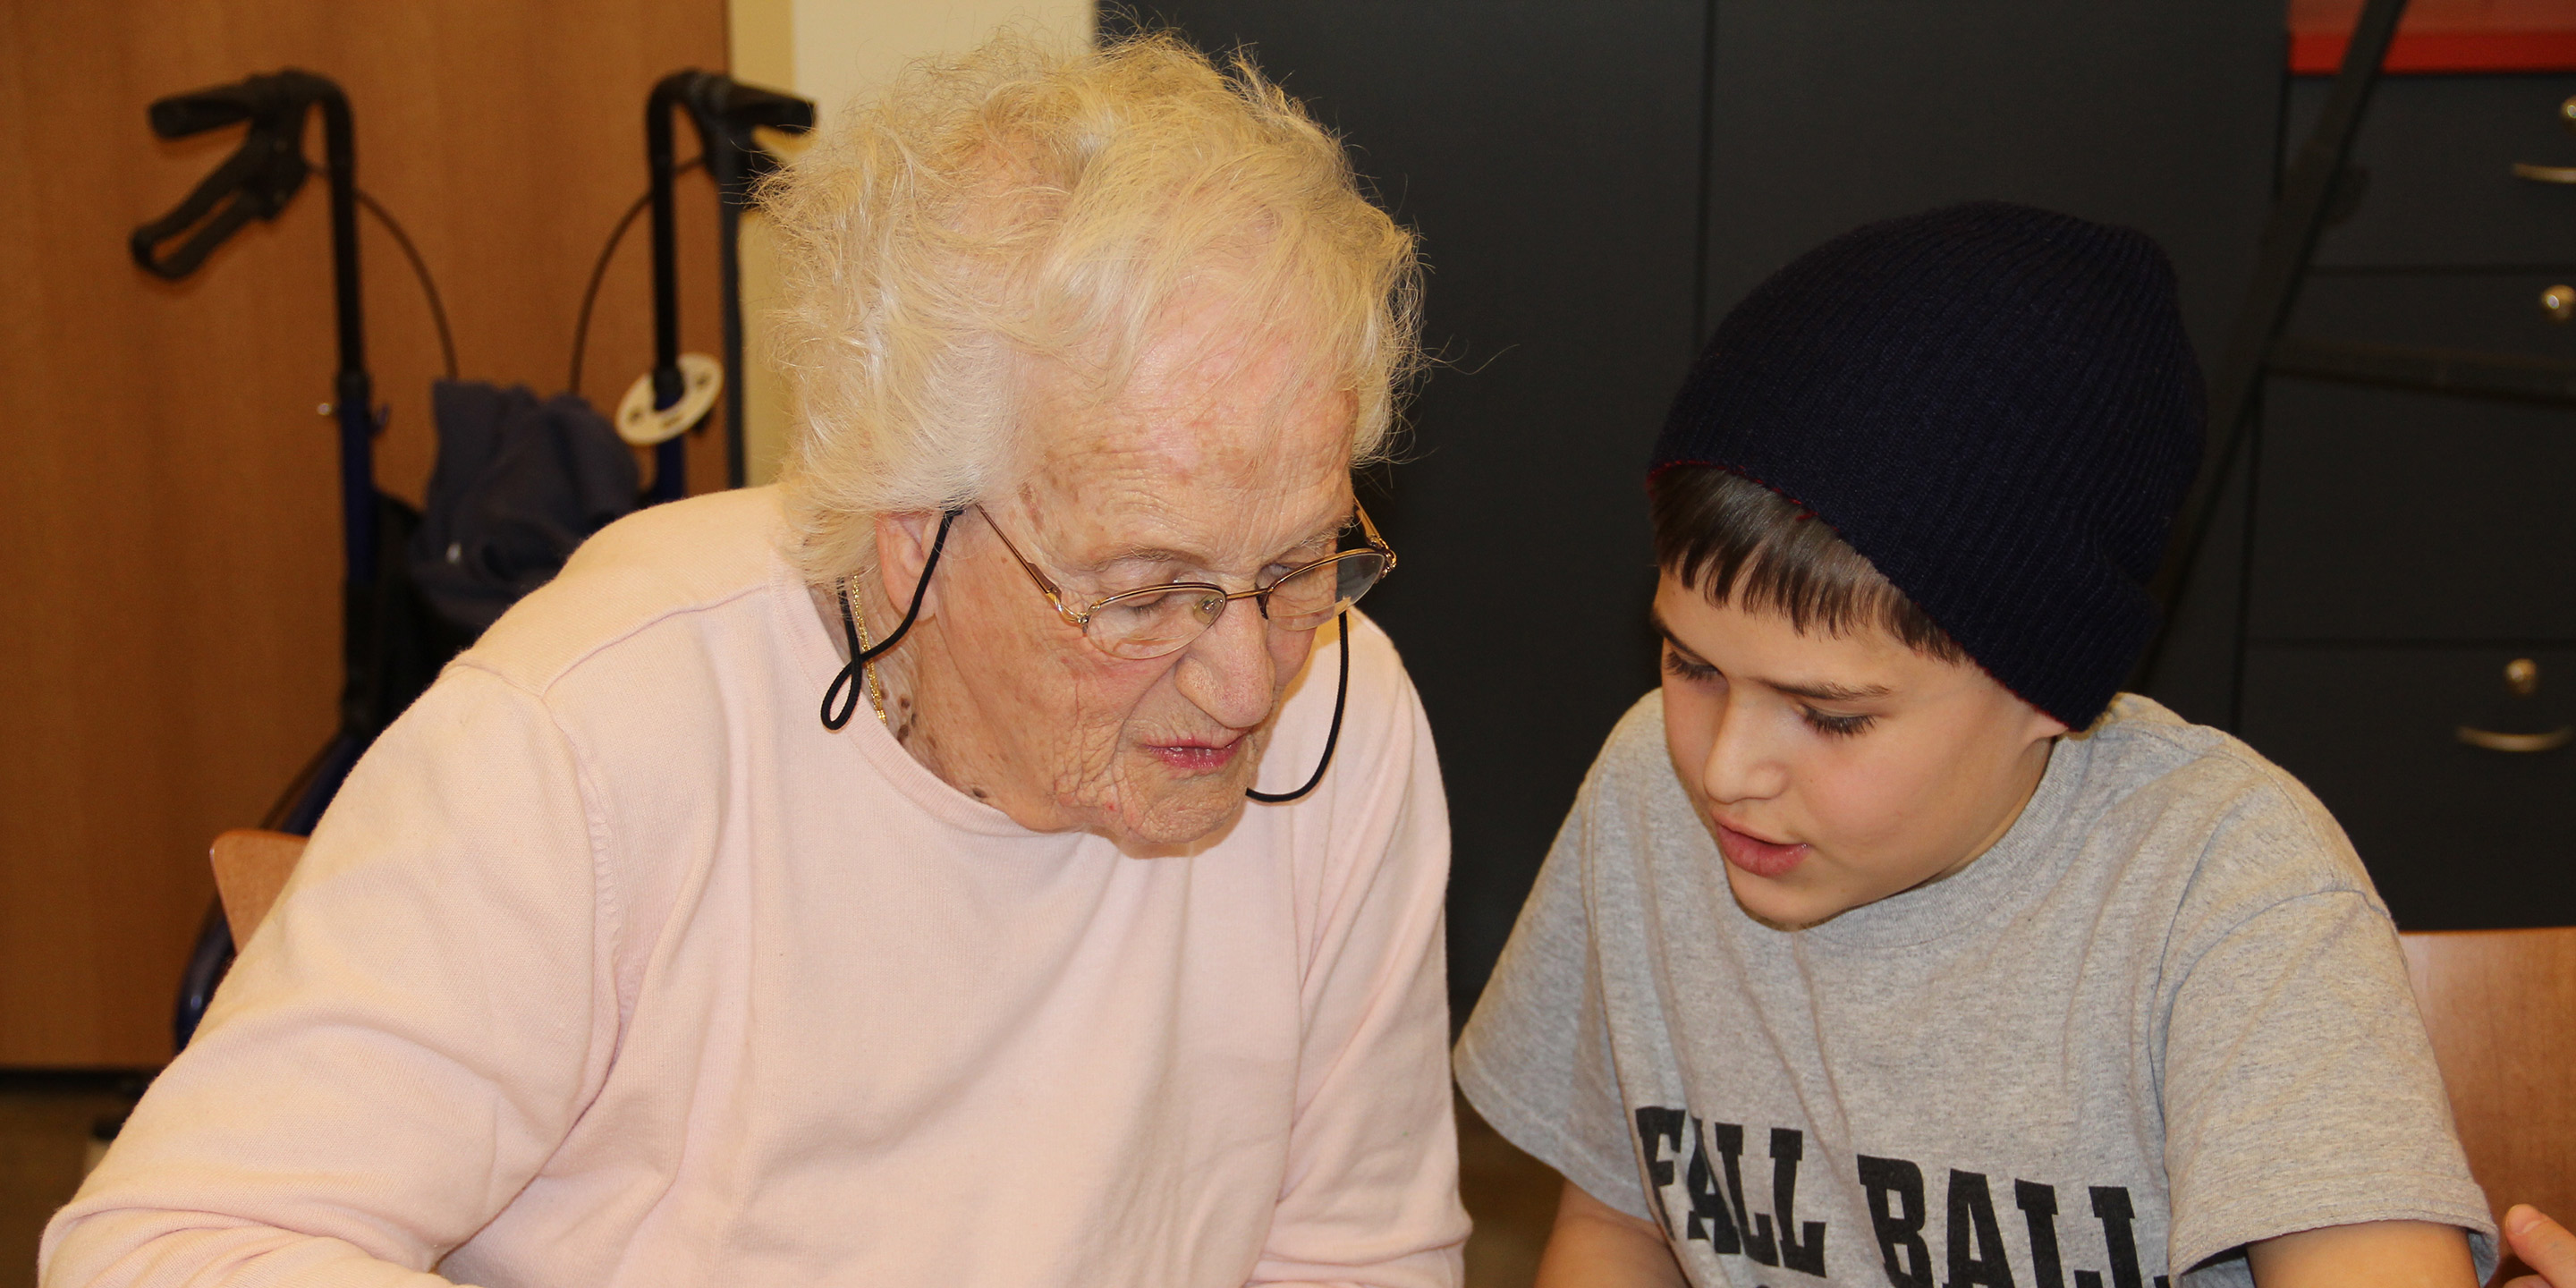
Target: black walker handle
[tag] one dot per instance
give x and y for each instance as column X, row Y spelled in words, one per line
column 725, row 112
column 260, row 177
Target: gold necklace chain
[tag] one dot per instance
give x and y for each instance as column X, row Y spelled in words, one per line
column 859, row 617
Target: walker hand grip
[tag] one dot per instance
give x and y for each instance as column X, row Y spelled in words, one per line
column 198, row 111
column 191, row 254
column 762, row 107
column 261, row 177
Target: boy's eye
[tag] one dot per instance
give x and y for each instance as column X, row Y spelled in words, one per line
column 1683, row 668
column 1833, row 726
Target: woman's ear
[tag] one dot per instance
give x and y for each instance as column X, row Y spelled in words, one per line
column 903, row 549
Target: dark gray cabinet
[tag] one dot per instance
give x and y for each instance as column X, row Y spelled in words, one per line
column 2456, row 836
column 2440, row 152
column 2407, row 548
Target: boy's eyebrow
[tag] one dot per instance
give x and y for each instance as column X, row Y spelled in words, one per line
column 1819, row 691
column 1825, row 692
column 1655, row 619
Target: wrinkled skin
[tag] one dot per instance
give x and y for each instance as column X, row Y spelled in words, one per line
column 1891, row 770
column 1215, row 462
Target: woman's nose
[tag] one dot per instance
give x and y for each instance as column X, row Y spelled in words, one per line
column 1228, row 671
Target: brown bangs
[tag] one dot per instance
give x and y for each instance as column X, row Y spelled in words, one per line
column 1732, row 539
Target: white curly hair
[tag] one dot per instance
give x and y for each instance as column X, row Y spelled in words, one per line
column 1035, row 208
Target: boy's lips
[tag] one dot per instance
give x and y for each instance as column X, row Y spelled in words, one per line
column 1753, row 854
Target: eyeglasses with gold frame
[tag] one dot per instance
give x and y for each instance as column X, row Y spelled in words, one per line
column 1156, row 620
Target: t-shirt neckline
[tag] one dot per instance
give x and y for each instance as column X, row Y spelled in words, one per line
column 867, row 737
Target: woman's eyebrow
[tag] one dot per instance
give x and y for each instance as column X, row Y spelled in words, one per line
column 1187, row 559
column 1144, row 554
column 1193, row 559
column 1327, row 532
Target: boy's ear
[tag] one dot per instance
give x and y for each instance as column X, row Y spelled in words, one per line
column 2043, row 726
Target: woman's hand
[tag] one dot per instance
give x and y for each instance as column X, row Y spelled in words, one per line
column 2544, row 1245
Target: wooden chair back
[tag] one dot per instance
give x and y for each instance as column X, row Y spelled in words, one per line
column 2501, row 1008
column 251, row 866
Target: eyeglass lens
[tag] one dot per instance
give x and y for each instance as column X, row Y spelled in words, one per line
column 1155, row 622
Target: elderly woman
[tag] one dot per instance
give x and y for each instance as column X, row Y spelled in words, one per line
column 1030, row 957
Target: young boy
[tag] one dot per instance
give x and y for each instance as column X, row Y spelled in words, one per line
column 1888, row 943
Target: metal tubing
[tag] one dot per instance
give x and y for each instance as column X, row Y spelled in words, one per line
column 724, row 113
column 671, row 455
column 729, row 259
column 353, row 393
column 2289, row 239
column 666, row 237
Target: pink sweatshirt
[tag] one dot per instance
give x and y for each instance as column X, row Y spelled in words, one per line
column 611, row 966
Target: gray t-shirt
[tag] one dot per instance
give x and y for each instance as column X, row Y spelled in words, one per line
column 2164, row 1016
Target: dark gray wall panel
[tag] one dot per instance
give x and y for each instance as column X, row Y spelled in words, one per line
column 2154, row 113
column 1548, row 156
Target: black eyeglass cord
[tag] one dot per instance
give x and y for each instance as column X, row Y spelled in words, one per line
column 845, row 686
column 1333, row 735
column 853, row 670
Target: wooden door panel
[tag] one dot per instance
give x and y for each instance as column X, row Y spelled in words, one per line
column 168, row 520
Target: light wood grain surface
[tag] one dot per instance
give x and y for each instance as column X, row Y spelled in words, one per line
column 2501, row 1008
column 251, row 867
column 169, row 540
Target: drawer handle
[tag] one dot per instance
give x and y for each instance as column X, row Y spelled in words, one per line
column 2518, row 742
column 2552, row 173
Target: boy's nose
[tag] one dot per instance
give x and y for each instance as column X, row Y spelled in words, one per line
column 1741, row 765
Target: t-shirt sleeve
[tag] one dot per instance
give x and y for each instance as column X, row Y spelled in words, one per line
column 1534, row 1059
column 2299, row 1089
column 401, row 1044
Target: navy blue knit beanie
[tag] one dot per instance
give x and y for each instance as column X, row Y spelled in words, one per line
column 1995, row 405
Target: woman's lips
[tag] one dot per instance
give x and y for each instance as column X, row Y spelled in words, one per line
column 1197, row 758
column 1757, row 856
